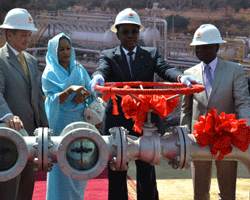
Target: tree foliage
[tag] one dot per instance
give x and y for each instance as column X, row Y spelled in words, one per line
column 176, row 5
column 64, row 4
column 6, row 5
column 240, row 4
column 180, row 23
column 141, row 4
column 114, row 5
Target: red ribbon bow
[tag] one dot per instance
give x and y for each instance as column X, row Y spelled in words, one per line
column 222, row 131
column 138, row 109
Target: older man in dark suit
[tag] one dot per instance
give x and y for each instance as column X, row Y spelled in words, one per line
column 130, row 62
column 21, row 100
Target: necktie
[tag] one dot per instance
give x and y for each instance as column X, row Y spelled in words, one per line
column 22, row 61
column 130, row 54
column 208, row 80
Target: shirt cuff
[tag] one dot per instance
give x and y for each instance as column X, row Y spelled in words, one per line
column 179, row 78
column 8, row 114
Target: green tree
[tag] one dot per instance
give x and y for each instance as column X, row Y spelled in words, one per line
column 114, row 4
column 140, row 4
column 6, row 5
column 173, row 4
column 180, row 23
column 71, row 3
column 241, row 4
column 62, row 5
column 90, row 4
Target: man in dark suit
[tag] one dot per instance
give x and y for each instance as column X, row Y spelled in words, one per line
column 226, row 91
column 130, row 62
column 21, row 100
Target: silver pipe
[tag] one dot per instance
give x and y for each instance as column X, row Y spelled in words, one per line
column 165, row 36
column 204, row 153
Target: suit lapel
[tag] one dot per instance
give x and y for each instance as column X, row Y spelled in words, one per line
column 122, row 62
column 218, row 74
column 15, row 62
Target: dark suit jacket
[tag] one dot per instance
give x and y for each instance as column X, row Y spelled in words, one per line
column 17, row 94
column 113, row 66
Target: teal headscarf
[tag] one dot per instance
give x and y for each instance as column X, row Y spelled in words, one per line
column 56, row 79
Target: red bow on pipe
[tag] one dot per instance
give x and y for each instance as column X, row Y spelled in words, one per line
column 222, row 131
column 137, row 110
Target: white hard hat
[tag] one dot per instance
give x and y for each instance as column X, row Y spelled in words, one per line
column 94, row 113
column 127, row 16
column 207, row 34
column 18, row 18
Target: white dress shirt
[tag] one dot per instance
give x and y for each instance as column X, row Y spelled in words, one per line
column 213, row 66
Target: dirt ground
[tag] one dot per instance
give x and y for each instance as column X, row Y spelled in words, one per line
column 177, row 184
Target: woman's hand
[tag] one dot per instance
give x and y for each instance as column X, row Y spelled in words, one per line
column 81, row 93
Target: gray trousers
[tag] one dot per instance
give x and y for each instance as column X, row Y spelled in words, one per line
column 226, row 176
column 21, row 187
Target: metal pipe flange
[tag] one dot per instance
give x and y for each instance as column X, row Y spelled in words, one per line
column 82, row 154
column 47, row 145
column 13, row 153
column 179, row 160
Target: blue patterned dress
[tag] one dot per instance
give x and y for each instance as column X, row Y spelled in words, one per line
column 56, row 79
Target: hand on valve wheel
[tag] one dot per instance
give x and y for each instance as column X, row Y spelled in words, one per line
column 98, row 79
column 188, row 80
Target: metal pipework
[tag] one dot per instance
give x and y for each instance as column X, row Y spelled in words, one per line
column 22, row 149
column 204, row 153
column 80, row 151
column 184, row 148
column 13, row 153
column 150, row 147
column 178, row 148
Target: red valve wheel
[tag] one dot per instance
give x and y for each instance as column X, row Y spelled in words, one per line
column 174, row 88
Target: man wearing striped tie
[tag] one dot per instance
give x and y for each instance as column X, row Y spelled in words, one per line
column 226, row 91
column 21, row 100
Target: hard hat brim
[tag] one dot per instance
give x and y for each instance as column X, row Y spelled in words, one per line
column 5, row 26
column 113, row 27
column 197, row 43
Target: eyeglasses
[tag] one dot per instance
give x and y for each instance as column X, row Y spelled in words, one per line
column 127, row 32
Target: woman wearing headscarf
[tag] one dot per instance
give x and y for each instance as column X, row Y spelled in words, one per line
column 64, row 84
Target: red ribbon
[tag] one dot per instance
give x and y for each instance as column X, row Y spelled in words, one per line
column 221, row 131
column 137, row 110
column 105, row 98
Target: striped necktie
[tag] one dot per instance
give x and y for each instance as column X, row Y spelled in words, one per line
column 22, row 61
column 209, row 79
